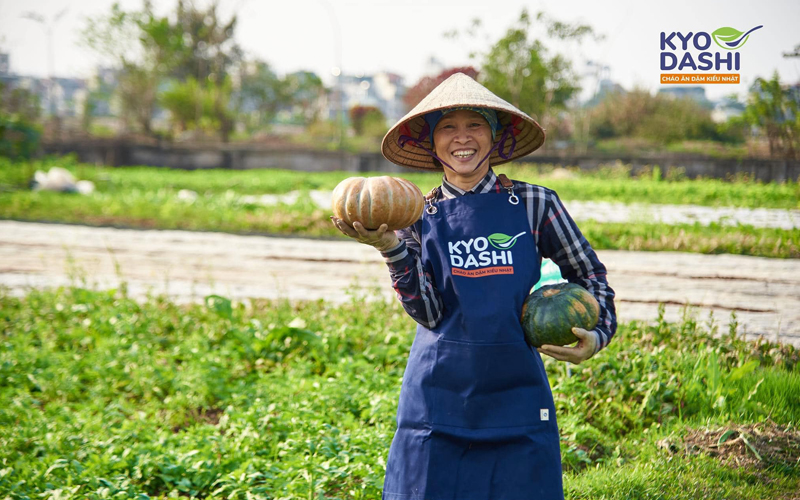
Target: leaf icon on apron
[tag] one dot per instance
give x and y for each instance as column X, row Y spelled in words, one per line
column 503, row 241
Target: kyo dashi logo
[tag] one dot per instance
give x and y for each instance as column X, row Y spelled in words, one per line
column 473, row 258
column 693, row 51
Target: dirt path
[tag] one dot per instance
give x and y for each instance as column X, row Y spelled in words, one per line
column 604, row 211
column 764, row 293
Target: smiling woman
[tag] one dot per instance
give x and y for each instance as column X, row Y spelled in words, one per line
column 463, row 139
column 476, row 418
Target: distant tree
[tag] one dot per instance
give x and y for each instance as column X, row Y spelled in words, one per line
column 194, row 43
column 200, row 45
column 424, row 86
column 20, row 102
column 775, row 110
column 520, row 69
column 262, row 93
column 124, row 39
column 367, row 121
column 304, row 89
column 19, row 128
column 193, row 105
column 658, row 118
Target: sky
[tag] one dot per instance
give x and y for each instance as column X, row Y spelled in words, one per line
column 401, row 36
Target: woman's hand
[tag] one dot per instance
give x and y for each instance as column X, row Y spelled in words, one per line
column 381, row 238
column 583, row 350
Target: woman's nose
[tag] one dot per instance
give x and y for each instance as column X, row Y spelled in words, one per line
column 462, row 134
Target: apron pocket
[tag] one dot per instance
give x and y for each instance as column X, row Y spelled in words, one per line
column 481, row 386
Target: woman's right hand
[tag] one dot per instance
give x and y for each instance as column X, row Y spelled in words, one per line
column 380, row 238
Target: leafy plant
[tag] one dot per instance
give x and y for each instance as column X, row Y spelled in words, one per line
column 101, row 395
column 775, row 110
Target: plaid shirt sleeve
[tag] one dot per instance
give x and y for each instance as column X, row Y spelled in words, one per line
column 556, row 235
column 412, row 284
column 559, row 239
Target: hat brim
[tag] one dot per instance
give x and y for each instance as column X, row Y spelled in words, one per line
column 456, row 91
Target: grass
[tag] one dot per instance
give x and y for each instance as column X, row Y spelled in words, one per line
column 701, row 148
column 144, row 197
column 610, row 183
column 227, row 212
column 102, row 396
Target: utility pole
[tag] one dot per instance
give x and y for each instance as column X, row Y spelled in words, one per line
column 48, row 27
column 337, row 71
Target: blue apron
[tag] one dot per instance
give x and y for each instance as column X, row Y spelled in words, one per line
column 476, row 419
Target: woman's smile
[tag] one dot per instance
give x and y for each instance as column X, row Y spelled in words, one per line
column 463, row 138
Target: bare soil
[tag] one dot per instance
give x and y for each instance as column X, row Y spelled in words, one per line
column 764, row 294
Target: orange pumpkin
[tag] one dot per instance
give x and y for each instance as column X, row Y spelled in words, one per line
column 373, row 201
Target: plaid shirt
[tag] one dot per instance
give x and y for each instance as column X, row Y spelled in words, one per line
column 555, row 235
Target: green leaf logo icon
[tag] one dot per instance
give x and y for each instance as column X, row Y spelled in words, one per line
column 730, row 38
column 503, row 241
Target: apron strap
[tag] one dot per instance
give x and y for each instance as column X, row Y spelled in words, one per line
column 432, row 194
column 508, row 185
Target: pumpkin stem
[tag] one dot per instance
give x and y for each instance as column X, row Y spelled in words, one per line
column 551, row 292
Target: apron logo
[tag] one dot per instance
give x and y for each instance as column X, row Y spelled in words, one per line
column 473, row 259
column 544, row 414
column 503, row 241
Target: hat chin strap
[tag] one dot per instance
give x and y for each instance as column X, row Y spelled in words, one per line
column 500, row 145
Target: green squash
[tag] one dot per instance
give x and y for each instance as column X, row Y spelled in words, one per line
column 549, row 313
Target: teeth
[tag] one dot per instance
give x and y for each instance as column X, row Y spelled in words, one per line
column 463, row 154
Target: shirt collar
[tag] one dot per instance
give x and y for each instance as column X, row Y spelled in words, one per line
column 485, row 185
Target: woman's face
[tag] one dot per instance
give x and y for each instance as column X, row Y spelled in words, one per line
column 462, row 139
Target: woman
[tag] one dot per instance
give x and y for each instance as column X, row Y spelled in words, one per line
column 476, row 418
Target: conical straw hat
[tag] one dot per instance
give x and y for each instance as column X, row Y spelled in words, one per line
column 459, row 91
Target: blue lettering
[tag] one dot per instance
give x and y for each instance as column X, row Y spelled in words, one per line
column 687, row 61
column 728, row 60
column 667, row 40
column 685, row 40
column 673, row 61
column 705, row 61
column 697, row 43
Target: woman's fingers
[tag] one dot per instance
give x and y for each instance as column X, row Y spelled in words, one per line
column 582, row 351
column 553, row 353
column 380, row 238
column 360, row 229
column 587, row 341
column 344, row 228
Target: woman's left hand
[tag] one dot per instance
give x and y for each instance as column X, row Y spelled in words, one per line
column 583, row 350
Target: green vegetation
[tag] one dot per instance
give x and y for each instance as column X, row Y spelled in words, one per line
column 694, row 148
column 147, row 197
column 614, row 182
column 713, row 239
column 775, row 109
column 19, row 128
column 659, row 118
column 101, row 396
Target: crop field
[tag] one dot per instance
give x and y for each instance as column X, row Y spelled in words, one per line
column 147, row 197
column 102, row 396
